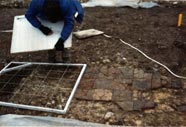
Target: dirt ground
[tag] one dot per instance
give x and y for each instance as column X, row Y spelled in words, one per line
column 154, row 31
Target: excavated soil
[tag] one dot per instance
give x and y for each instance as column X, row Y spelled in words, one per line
column 154, row 31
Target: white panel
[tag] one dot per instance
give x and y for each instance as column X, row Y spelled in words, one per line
column 26, row 38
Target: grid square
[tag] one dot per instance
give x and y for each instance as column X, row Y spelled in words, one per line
column 40, row 86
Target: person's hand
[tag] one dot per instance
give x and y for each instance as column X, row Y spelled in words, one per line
column 59, row 46
column 45, row 30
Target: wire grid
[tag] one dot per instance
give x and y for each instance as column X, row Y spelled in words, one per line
column 47, row 86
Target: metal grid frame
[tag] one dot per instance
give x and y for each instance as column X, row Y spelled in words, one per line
column 44, row 109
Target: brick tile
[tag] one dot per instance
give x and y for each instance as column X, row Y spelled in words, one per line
column 84, row 94
column 86, row 84
column 156, row 81
column 103, row 84
column 127, row 72
column 138, row 73
column 165, row 81
column 141, row 85
column 118, row 86
column 176, row 84
column 143, row 104
column 122, row 95
column 127, row 81
column 126, row 105
column 102, row 95
column 138, row 105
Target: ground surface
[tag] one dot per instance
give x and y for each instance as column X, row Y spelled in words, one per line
column 155, row 32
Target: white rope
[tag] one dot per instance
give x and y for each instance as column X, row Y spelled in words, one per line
column 6, row 31
column 182, row 77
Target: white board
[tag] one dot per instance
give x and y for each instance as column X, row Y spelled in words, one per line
column 27, row 38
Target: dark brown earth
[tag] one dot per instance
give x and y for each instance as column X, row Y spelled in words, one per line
column 154, row 31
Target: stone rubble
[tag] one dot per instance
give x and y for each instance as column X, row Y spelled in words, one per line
column 130, row 88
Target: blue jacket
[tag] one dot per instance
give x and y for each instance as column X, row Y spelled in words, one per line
column 68, row 10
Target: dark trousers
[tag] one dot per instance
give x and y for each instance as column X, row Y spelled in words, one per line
column 65, row 55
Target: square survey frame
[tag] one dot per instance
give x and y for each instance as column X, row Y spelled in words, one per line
column 21, row 65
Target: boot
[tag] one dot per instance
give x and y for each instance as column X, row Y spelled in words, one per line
column 51, row 56
column 66, row 56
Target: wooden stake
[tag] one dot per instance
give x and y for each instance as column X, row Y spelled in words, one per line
column 180, row 19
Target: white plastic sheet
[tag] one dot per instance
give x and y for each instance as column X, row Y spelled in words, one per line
column 19, row 120
column 119, row 3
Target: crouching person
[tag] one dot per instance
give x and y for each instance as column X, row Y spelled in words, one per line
column 54, row 11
